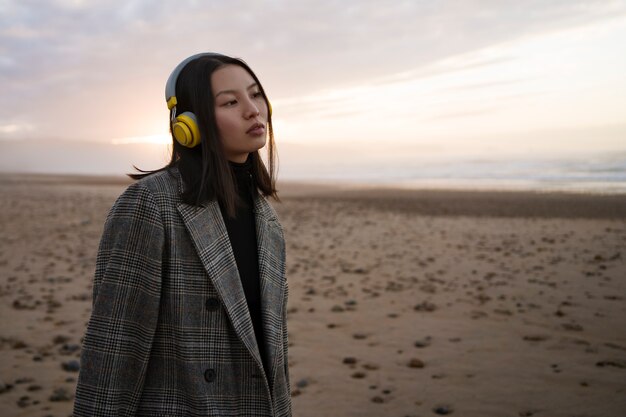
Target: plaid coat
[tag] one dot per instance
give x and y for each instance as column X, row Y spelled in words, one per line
column 170, row 332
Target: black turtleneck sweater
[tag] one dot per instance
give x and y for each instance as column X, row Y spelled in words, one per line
column 242, row 233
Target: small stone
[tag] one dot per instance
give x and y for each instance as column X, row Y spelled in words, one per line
column 616, row 363
column 349, row 360
column 69, row 348
column 60, row 339
column 358, row 375
column 18, row 344
column 24, row 304
column 24, row 380
column 71, row 366
column 425, row 342
column 61, row 394
column 337, row 309
column 536, row 337
column 377, row 399
column 425, row 306
column 24, row 401
column 415, row 363
column 302, row 383
column 370, row 366
column 4, row 387
column 477, row 314
column 34, row 387
column 359, row 336
column 572, row 327
column 443, row 409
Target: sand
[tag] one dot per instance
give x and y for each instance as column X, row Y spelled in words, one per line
column 402, row 302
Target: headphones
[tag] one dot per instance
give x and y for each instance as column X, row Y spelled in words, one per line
column 185, row 126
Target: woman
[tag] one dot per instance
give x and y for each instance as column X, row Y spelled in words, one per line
column 189, row 307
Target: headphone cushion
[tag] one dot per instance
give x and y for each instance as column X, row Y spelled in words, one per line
column 185, row 130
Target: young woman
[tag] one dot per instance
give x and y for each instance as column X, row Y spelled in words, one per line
column 189, row 297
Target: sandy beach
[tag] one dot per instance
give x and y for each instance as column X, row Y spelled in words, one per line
column 403, row 303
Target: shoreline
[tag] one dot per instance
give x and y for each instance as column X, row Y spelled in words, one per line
column 419, row 201
column 437, row 185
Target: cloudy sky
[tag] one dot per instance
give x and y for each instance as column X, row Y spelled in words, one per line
column 418, row 76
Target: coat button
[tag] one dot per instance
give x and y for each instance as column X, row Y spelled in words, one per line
column 212, row 304
column 209, row 375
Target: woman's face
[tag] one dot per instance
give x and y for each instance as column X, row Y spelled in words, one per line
column 240, row 112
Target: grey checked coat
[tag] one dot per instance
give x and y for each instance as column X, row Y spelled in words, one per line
column 170, row 332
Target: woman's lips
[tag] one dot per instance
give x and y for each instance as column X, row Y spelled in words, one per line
column 256, row 130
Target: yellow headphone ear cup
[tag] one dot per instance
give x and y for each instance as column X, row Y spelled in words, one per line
column 269, row 107
column 185, row 130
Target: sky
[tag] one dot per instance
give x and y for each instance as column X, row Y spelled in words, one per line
column 393, row 80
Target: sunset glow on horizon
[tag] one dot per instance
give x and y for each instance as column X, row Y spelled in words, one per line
column 478, row 79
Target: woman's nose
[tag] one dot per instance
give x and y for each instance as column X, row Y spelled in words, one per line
column 251, row 110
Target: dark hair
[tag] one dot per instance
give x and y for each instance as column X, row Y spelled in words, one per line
column 204, row 169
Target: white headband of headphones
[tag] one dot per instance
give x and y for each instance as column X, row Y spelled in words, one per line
column 170, row 86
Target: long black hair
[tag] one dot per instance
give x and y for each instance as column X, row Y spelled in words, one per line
column 204, row 169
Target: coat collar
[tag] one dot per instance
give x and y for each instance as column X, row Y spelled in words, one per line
column 210, row 238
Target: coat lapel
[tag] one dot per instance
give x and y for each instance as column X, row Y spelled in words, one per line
column 210, row 238
column 270, row 245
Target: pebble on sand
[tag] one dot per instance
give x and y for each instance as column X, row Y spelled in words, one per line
column 536, row 337
column 61, row 394
column 422, row 343
column 415, row 363
column 349, row 360
column 24, row 401
column 4, row 387
column 71, row 366
column 303, row 383
column 60, row 339
column 425, row 306
column 443, row 409
column 575, row 327
column 618, row 363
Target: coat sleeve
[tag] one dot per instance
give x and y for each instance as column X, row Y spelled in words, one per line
column 285, row 333
column 286, row 341
column 126, row 295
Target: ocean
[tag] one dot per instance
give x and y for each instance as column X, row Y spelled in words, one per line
column 594, row 172
column 601, row 172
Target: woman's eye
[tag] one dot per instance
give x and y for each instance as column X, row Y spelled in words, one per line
column 257, row 94
column 230, row 103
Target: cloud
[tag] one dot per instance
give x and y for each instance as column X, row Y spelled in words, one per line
column 101, row 65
